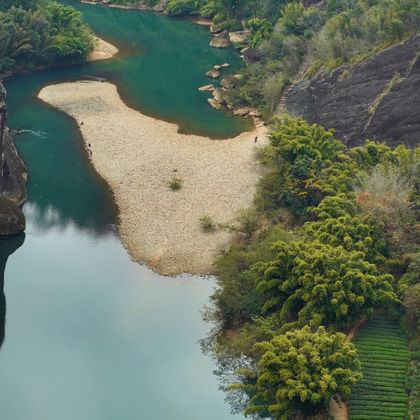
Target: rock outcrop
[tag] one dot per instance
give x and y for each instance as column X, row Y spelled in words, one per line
column 377, row 99
column 13, row 176
column 221, row 40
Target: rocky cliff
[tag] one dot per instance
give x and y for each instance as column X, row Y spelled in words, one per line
column 377, row 99
column 13, row 178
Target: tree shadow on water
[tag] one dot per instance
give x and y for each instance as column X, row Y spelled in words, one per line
column 7, row 247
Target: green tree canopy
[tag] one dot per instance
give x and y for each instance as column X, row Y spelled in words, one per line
column 320, row 284
column 301, row 371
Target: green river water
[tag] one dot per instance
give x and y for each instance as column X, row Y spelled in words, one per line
column 89, row 334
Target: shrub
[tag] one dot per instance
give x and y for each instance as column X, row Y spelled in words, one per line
column 385, row 194
column 245, row 224
column 180, row 7
column 207, row 224
column 175, row 184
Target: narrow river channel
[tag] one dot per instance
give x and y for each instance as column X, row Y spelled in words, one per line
column 89, row 334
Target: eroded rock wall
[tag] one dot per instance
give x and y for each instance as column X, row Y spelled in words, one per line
column 13, row 176
column 377, row 99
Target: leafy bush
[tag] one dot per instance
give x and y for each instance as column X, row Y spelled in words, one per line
column 385, row 195
column 300, row 372
column 207, row 224
column 180, row 7
column 175, row 184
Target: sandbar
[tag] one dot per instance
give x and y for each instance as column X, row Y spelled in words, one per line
column 138, row 156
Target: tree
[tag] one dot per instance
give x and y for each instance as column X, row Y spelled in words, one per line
column 412, row 306
column 45, row 35
column 260, row 30
column 300, row 372
column 296, row 157
column 385, row 194
column 320, row 284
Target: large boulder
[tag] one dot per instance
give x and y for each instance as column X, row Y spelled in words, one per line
column 221, row 40
column 207, row 88
column 213, row 73
column 252, row 55
column 218, row 95
column 215, row 104
column 377, row 99
column 239, row 37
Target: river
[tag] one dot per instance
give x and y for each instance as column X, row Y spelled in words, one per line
column 89, row 334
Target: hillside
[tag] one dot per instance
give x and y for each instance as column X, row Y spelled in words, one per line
column 377, row 99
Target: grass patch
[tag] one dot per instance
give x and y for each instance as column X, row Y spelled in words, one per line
column 175, row 184
column 206, row 223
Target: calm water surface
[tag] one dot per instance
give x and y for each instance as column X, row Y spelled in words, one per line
column 90, row 335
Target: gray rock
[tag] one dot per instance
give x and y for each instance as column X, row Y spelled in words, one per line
column 214, row 29
column 215, row 104
column 239, row 37
column 221, row 40
column 252, row 55
column 13, row 176
column 12, row 220
column 218, row 95
column 213, row 73
column 377, row 99
column 206, row 88
column 242, row 112
column 227, row 83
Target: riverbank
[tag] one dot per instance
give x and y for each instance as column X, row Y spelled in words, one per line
column 103, row 50
column 139, row 156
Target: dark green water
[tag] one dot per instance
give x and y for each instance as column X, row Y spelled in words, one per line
column 90, row 335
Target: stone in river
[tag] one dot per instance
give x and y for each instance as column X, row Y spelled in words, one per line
column 213, row 73
column 221, row 40
column 214, row 103
column 241, row 111
column 206, row 88
column 218, row 96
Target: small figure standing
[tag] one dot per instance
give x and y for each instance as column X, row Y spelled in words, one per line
column 256, row 139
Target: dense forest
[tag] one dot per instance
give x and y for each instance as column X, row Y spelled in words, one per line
column 334, row 237
column 36, row 33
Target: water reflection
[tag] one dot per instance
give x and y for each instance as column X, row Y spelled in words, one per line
column 7, row 247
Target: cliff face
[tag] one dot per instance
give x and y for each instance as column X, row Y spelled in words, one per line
column 378, row 99
column 13, row 178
